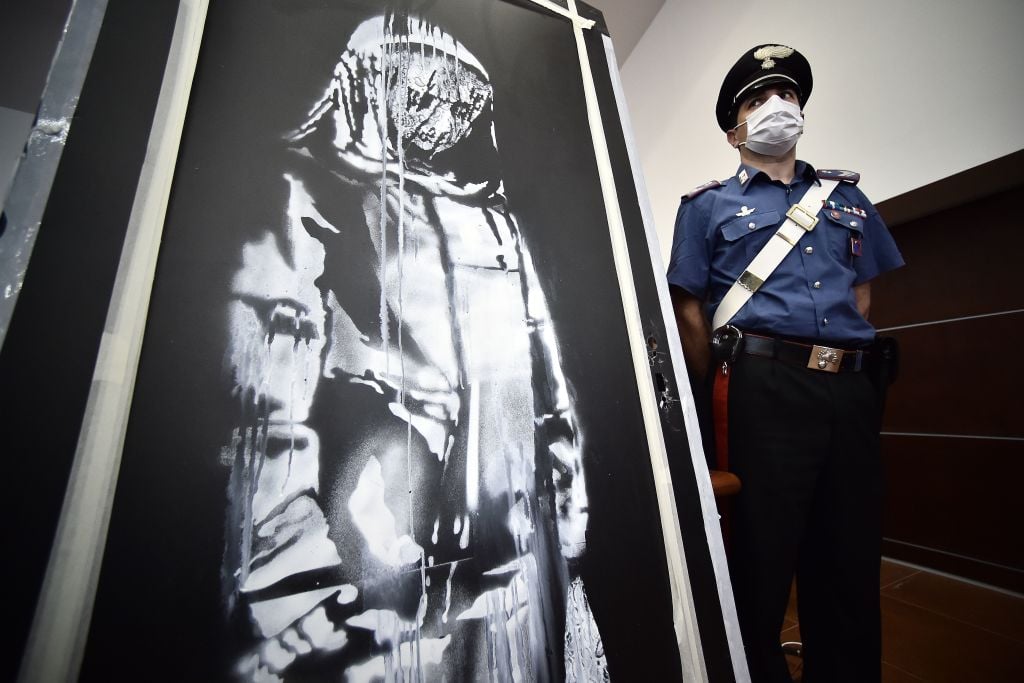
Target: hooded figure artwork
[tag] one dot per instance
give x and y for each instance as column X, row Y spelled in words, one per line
column 407, row 498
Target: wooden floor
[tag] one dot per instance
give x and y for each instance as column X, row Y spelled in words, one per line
column 938, row 629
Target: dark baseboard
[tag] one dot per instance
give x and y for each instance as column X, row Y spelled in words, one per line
column 973, row 569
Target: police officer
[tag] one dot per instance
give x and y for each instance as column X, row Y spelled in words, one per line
column 790, row 371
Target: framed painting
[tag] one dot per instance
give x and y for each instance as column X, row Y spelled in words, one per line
column 407, row 403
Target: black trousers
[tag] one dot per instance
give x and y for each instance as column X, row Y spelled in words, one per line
column 805, row 445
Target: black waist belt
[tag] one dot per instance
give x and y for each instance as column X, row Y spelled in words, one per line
column 813, row 356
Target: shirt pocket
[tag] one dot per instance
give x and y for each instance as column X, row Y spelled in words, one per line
column 843, row 229
column 744, row 236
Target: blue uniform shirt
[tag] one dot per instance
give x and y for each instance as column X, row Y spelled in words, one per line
column 810, row 295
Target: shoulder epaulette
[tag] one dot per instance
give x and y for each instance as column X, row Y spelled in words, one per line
column 836, row 174
column 700, row 189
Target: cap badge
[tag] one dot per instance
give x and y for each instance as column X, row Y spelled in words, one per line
column 769, row 53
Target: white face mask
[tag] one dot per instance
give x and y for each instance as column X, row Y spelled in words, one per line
column 774, row 127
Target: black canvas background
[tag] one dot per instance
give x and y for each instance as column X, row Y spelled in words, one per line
column 701, row 570
column 158, row 608
column 49, row 353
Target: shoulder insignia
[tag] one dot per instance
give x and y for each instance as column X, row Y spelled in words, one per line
column 836, row 174
column 701, row 189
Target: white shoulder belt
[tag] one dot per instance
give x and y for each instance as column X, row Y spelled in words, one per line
column 801, row 218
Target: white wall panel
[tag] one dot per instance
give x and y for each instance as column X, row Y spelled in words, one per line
column 906, row 91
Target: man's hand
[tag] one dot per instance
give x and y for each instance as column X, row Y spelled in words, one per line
column 862, row 295
column 694, row 331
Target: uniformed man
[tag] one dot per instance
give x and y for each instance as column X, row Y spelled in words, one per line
column 785, row 300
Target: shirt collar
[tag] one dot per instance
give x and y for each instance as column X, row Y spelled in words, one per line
column 747, row 175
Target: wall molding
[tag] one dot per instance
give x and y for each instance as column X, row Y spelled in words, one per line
column 981, row 181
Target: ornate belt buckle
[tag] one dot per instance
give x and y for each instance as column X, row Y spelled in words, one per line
column 825, row 358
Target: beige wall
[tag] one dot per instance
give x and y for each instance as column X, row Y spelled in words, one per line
column 906, row 91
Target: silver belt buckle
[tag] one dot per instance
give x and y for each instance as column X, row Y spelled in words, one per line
column 825, row 358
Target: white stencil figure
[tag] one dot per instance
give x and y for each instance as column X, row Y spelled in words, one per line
column 407, row 492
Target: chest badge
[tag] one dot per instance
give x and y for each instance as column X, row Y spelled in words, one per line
column 744, row 212
column 856, row 246
column 843, row 207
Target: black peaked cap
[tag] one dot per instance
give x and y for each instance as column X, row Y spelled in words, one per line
column 759, row 67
